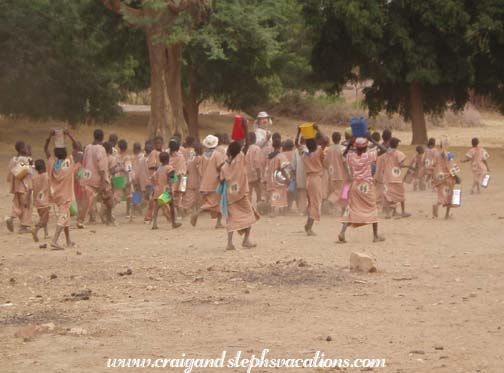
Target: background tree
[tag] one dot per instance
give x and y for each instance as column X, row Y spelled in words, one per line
column 60, row 60
column 245, row 56
column 167, row 25
column 416, row 53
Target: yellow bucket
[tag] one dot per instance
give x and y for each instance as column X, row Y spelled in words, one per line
column 307, row 130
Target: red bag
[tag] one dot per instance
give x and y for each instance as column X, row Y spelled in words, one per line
column 238, row 132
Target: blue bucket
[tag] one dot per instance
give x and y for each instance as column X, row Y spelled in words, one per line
column 136, row 198
column 359, row 127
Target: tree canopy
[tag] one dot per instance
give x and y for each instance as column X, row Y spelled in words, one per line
column 60, row 60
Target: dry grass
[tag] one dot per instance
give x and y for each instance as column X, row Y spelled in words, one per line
column 339, row 112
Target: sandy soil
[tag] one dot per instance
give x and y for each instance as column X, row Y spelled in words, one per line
column 436, row 303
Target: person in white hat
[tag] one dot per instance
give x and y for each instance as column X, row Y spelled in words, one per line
column 211, row 164
column 262, row 129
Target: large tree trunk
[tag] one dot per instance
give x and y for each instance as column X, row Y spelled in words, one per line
column 173, row 73
column 161, row 113
column 191, row 104
column 417, row 114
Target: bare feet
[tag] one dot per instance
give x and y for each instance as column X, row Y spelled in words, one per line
column 55, row 246
column 219, row 226
column 230, row 247
column 434, row 211
column 71, row 244
column 378, row 238
column 194, row 219
column 341, row 238
column 80, row 226
column 10, row 224
column 248, row 245
column 176, row 225
column 154, row 227
column 34, row 232
column 405, row 215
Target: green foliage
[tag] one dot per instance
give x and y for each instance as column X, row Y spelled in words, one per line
column 394, row 43
column 64, row 59
column 248, row 53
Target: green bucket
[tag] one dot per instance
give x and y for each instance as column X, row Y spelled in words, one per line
column 73, row 208
column 119, row 182
column 164, row 198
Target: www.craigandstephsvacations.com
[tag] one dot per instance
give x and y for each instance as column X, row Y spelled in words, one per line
column 248, row 363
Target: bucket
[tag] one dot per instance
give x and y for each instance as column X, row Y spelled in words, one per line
column 164, row 198
column 485, row 181
column 344, row 192
column 59, row 138
column 307, row 130
column 238, row 132
column 456, row 198
column 20, row 170
column 174, row 178
column 136, row 198
column 183, row 184
column 118, row 182
column 73, row 208
column 359, row 127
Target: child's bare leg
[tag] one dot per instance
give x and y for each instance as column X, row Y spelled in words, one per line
column 173, row 215
column 69, row 242
column 230, row 245
column 404, row 214
column 308, row 227
column 219, row 224
column 54, row 243
column 246, row 240
column 155, row 217
column 435, row 209
column 447, row 215
column 376, row 236
column 341, row 235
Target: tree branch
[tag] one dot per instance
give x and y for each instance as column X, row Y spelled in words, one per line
column 120, row 8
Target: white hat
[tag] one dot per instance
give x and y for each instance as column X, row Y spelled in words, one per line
column 210, row 142
column 262, row 114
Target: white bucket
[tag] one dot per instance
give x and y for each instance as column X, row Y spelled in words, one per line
column 485, row 181
column 456, row 198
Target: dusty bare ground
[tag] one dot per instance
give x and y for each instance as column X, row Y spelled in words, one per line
column 435, row 304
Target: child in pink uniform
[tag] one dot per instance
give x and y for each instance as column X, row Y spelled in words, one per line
column 337, row 172
column 394, row 191
column 277, row 193
column 479, row 165
column 21, row 188
column 240, row 213
column 162, row 181
column 254, row 160
column 61, row 183
column 41, row 198
column 313, row 162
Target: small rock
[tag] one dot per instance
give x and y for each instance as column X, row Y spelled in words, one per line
column 92, row 231
column 247, row 291
column 78, row 253
column 329, row 338
column 362, row 262
column 418, row 352
column 43, row 246
column 128, row 272
column 302, row 263
column 438, row 347
column 77, row 331
column 198, row 279
column 44, row 328
column 12, row 281
column 53, row 276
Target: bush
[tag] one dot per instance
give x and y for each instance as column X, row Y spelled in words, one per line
column 336, row 111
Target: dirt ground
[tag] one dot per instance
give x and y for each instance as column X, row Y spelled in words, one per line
column 436, row 303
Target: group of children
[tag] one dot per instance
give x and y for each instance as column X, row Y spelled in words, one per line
column 353, row 178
